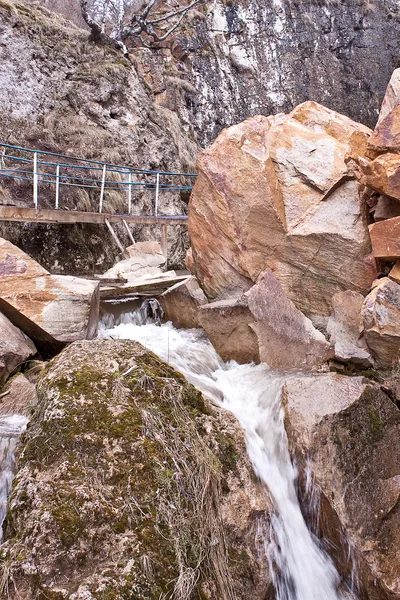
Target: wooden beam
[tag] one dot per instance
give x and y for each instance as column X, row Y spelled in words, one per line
column 164, row 242
column 128, row 231
column 116, row 239
column 46, row 215
column 152, row 287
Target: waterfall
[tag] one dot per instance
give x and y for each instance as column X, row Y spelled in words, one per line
column 300, row 568
column 11, row 427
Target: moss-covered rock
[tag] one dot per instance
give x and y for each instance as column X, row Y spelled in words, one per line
column 130, row 487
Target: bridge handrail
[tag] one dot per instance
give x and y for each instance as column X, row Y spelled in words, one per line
column 39, row 173
column 118, row 168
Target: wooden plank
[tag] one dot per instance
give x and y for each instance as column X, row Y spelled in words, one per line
column 18, row 213
column 164, row 242
column 128, row 231
column 116, row 239
column 385, row 238
column 149, row 287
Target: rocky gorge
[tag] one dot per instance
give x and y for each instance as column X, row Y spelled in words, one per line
column 248, row 446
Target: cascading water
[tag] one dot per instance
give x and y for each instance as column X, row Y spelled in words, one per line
column 299, row 566
column 11, row 427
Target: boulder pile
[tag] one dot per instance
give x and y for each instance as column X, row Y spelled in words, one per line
column 295, row 239
column 287, row 219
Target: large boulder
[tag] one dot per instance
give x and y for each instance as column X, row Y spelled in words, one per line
column 346, row 431
column 130, row 485
column 273, row 192
column 385, row 238
column 386, row 135
column 381, row 314
column 65, row 307
column 383, row 174
column 15, row 348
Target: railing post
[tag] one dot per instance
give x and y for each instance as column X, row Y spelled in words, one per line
column 130, row 194
column 103, row 181
column 157, row 191
column 35, row 181
column 3, row 163
column 57, row 186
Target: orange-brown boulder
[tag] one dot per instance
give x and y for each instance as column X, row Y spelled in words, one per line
column 65, row 307
column 286, row 338
column 386, row 208
column 386, row 136
column 273, row 192
column 383, row 174
column 229, row 326
column 385, row 238
column 182, row 303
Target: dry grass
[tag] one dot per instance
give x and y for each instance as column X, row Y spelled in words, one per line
column 197, row 477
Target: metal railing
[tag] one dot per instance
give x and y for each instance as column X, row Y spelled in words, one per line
column 38, row 167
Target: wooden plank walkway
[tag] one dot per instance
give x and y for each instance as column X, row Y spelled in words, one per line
column 46, row 215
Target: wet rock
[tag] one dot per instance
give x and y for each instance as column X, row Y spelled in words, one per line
column 287, row 339
column 65, row 307
column 229, row 326
column 273, row 193
column 392, row 96
column 346, row 431
column 345, row 328
column 15, row 348
column 182, row 303
column 381, row 314
column 133, row 483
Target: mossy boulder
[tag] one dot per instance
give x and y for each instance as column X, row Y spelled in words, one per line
column 130, row 487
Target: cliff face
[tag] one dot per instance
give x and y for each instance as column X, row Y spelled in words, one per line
column 230, row 60
column 62, row 93
column 255, row 57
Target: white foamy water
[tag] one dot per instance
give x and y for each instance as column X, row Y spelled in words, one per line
column 300, row 568
column 11, row 427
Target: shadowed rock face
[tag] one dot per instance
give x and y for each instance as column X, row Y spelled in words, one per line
column 127, row 480
column 347, row 431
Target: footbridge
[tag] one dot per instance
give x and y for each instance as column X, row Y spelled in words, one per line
column 44, row 187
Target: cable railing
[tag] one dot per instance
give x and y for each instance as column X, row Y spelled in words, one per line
column 41, row 169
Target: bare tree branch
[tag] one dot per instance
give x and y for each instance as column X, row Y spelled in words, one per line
column 184, row 10
column 110, row 22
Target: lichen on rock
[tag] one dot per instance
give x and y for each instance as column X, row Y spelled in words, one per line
column 130, row 486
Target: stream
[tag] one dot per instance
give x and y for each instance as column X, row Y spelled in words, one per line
column 300, row 568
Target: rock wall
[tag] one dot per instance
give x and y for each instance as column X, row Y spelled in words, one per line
column 254, row 57
column 229, row 61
